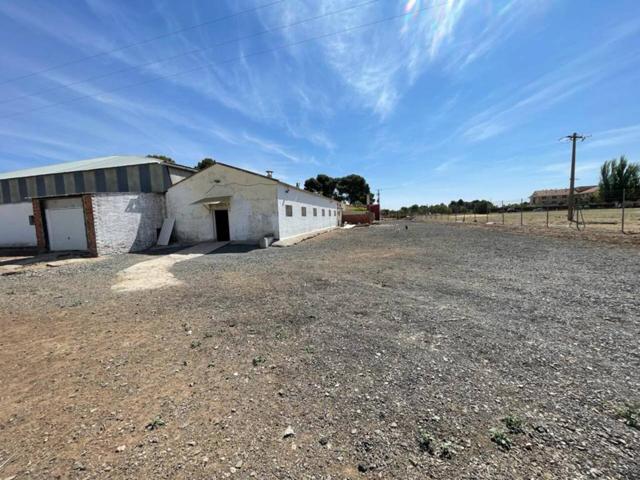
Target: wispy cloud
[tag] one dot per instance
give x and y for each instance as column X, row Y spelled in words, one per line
column 271, row 147
column 523, row 102
column 619, row 137
column 565, row 167
column 377, row 64
column 446, row 165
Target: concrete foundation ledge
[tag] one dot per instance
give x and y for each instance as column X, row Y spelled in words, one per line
column 289, row 241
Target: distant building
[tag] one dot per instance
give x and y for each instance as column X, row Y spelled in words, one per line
column 560, row 196
column 101, row 205
column 118, row 204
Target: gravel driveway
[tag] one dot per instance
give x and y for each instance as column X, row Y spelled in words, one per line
column 432, row 351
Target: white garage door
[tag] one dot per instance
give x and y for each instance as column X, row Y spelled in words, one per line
column 65, row 224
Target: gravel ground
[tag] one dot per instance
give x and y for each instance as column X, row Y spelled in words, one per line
column 379, row 352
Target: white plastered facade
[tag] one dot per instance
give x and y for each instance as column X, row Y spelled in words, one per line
column 256, row 207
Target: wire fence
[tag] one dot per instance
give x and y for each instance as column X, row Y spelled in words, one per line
column 621, row 216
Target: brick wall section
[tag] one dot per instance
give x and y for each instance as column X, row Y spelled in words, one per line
column 357, row 218
column 375, row 209
column 89, row 223
column 39, row 224
column 126, row 222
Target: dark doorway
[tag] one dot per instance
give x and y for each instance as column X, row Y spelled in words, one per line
column 222, row 225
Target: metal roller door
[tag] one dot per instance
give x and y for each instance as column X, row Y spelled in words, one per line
column 65, row 224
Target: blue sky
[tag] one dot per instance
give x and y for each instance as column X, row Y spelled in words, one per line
column 455, row 99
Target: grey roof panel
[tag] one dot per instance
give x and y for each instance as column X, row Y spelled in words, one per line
column 90, row 164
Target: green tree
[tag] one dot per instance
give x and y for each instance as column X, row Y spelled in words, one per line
column 164, row 158
column 205, row 163
column 312, row 185
column 323, row 184
column 617, row 175
column 353, row 188
column 327, row 185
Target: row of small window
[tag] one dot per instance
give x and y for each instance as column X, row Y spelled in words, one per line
column 303, row 211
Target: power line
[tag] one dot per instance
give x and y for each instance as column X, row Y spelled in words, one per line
column 231, row 60
column 189, row 52
column 141, row 42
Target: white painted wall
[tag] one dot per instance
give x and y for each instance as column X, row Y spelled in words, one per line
column 15, row 230
column 177, row 175
column 297, row 224
column 252, row 207
column 126, row 222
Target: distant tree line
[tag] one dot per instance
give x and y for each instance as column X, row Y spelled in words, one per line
column 616, row 176
column 455, row 206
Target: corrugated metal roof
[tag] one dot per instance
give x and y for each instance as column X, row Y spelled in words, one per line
column 89, row 164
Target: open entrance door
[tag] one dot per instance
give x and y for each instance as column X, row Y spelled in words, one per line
column 222, row 225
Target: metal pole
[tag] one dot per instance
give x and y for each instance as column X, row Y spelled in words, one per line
column 547, row 210
column 503, row 212
column 623, row 210
column 521, row 212
column 572, row 180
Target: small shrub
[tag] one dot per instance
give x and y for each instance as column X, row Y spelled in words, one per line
column 309, row 349
column 514, row 424
column 280, row 334
column 500, row 438
column 446, row 450
column 195, row 344
column 630, row 414
column 155, row 424
column 426, row 441
column 258, row 360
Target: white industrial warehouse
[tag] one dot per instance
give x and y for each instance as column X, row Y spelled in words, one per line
column 120, row 203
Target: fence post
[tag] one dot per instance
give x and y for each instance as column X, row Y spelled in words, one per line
column 623, row 210
column 503, row 212
column 521, row 212
column 547, row 210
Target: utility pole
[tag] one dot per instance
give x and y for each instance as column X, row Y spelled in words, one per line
column 574, row 137
column 378, row 197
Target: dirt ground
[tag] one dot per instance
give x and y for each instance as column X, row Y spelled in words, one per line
column 403, row 350
column 534, row 223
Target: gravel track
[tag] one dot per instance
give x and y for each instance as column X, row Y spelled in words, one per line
column 391, row 351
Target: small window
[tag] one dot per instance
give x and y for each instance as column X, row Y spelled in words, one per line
column 304, row 211
column 323, row 212
column 315, row 212
column 288, row 210
column 32, row 220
